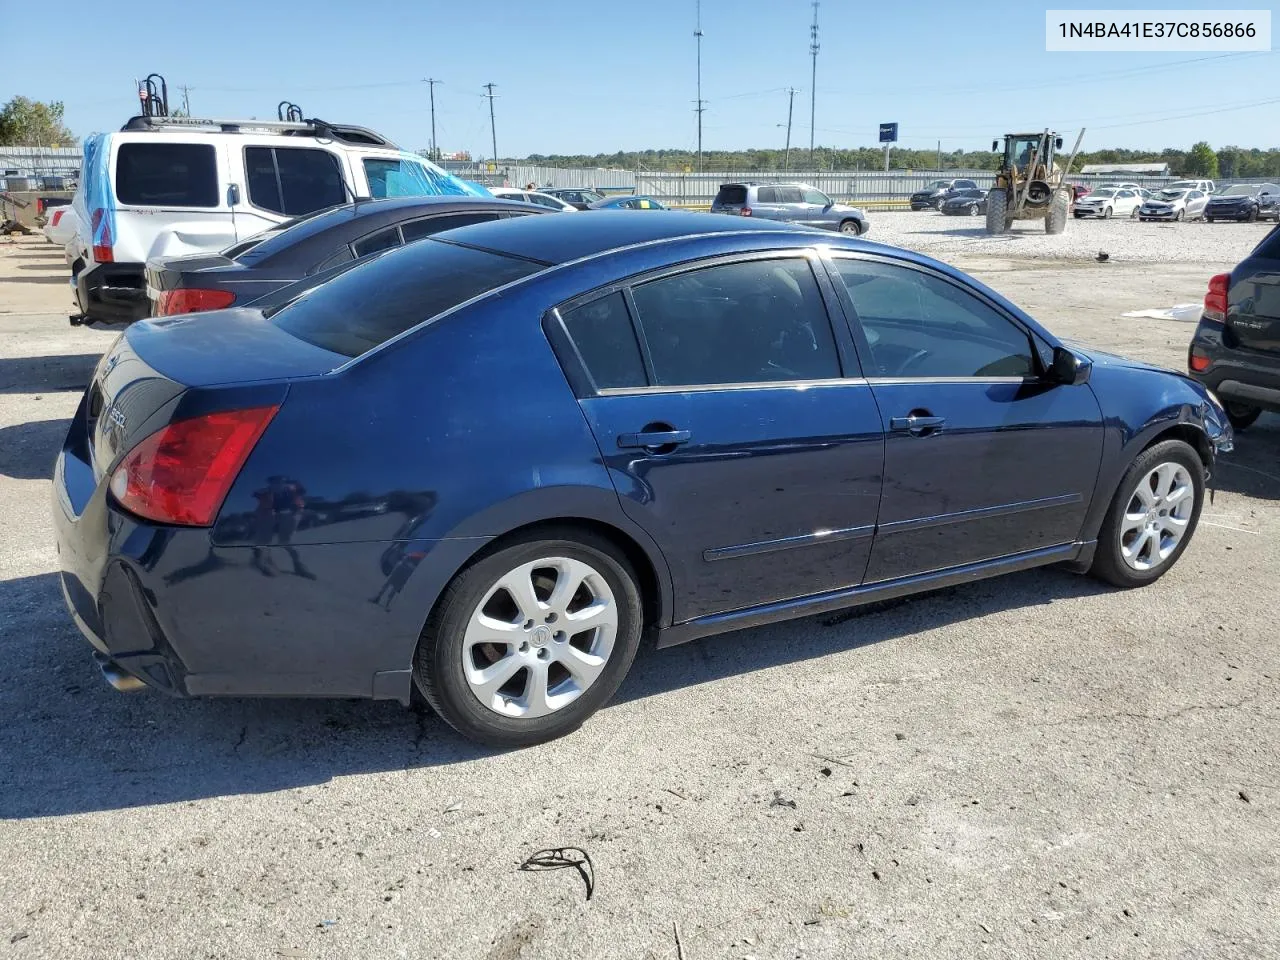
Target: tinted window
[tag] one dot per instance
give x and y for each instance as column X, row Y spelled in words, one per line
column 918, row 325
column 790, row 195
column 167, row 174
column 293, row 180
column 966, row 183
column 417, row 229
column 766, row 195
column 381, row 240
column 606, row 340
column 1270, row 245
column 752, row 322
column 372, row 302
column 341, row 257
column 734, row 194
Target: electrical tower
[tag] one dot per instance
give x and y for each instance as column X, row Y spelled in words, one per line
column 699, row 104
column 493, row 130
column 813, row 83
column 435, row 154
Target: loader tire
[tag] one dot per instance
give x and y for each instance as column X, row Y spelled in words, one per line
column 997, row 211
column 1059, row 210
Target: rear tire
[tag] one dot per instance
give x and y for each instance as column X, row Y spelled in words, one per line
column 1242, row 416
column 578, row 672
column 1059, row 208
column 997, row 211
column 1136, row 544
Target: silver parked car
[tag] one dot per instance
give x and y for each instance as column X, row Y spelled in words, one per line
column 1171, row 204
column 794, row 202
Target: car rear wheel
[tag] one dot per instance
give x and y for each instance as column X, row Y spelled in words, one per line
column 850, row 227
column 1242, row 415
column 528, row 642
column 1152, row 517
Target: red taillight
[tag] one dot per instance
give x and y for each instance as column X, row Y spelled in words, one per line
column 192, row 301
column 101, row 243
column 746, row 211
column 1215, row 301
column 1197, row 361
column 57, row 215
column 181, row 473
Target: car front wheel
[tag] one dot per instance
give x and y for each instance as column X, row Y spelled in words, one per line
column 528, row 642
column 850, row 227
column 1152, row 516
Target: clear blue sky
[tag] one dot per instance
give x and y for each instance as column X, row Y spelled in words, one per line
column 586, row 76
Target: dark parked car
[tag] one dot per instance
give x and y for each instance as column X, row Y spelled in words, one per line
column 551, row 434
column 931, row 197
column 969, row 202
column 1236, row 348
column 1245, row 201
column 308, row 246
column 626, row 203
column 577, row 196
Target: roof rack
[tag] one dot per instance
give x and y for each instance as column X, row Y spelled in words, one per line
column 346, row 133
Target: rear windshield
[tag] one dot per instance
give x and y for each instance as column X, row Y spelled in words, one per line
column 732, row 194
column 1270, row 245
column 374, row 301
column 167, row 174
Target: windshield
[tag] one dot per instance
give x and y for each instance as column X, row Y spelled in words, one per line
column 1172, row 194
column 1102, row 193
column 1240, row 190
column 939, row 185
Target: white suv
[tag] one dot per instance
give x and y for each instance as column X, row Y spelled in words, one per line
column 165, row 186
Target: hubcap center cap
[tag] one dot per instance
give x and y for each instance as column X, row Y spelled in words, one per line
column 541, row 636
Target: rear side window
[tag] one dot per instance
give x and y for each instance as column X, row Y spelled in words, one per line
column 759, row 321
column 732, row 194
column 167, row 174
column 1270, row 245
column 767, row 194
column 790, row 195
column 417, row 229
column 293, row 180
column 381, row 240
column 372, row 302
column 606, row 341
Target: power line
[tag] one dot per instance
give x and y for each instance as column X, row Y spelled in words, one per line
column 493, row 129
column 813, row 85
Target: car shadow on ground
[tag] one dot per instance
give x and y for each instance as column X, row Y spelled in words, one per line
column 1253, row 467
column 27, row 450
column 73, row 745
column 41, row 279
column 47, row 374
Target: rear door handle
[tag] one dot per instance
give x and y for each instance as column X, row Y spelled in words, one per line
column 653, row 439
column 918, row 425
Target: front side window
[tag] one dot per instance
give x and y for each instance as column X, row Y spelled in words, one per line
column 293, row 180
column 816, row 196
column 758, row 321
column 918, row 325
column 167, row 174
column 403, row 177
column 606, row 340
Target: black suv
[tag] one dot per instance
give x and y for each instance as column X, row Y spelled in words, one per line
column 1236, row 348
column 931, row 197
column 1245, row 201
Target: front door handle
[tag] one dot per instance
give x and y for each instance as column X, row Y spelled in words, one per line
column 654, row 439
column 918, row 424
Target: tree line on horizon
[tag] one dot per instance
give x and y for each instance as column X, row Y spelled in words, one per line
column 1201, row 160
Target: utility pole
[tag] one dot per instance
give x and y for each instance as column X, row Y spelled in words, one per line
column 700, row 104
column 791, row 100
column 939, row 154
column 813, row 84
column 493, row 130
column 186, row 104
column 435, row 154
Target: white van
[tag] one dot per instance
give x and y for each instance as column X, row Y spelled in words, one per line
column 164, row 186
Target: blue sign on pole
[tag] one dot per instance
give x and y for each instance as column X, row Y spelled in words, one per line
column 888, row 133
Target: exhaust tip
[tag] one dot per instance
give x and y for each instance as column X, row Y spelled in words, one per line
column 118, row 678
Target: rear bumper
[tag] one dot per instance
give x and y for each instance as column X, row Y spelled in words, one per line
column 1246, row 377
column 113, row 293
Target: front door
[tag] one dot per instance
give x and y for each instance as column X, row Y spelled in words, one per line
column 983, row 458
column 735, row 426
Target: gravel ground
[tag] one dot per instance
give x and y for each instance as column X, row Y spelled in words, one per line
column 1036, row 766
column 1126, row 241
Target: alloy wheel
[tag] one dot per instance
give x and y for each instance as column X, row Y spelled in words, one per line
column 540, row 638
column 1157, row 516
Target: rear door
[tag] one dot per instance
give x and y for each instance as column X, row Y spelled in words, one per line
column 171, row 197
column 280, row 181
column 735, row 425
column 983, row 458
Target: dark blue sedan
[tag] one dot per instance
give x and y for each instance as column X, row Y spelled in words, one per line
column 483, row 464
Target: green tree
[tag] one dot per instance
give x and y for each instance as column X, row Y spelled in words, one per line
column 30, row 123
column 1201, row 161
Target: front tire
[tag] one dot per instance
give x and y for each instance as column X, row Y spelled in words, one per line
column 1152, row 517
column 1180, row 215
column 997, row 211
column 1252, row 215
column 1056, row 220
column 1106, row 214
column 528, row 642
column 851, row 228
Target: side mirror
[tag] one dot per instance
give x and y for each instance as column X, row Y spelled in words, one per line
column 233, row 194
column 1069, row 369
column 1057, row 144
column 995, row 145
